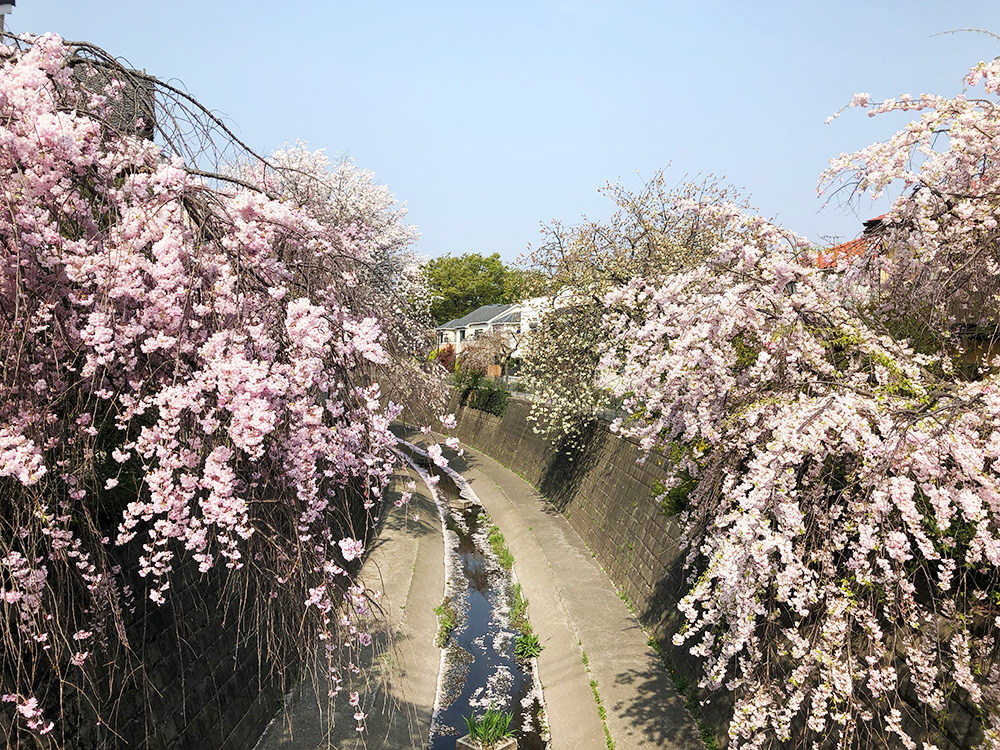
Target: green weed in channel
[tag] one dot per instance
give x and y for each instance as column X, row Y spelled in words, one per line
column 493, row 727
column 527, row 646
column 448, row 621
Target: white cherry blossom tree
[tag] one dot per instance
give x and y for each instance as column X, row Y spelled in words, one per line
column 838, row 441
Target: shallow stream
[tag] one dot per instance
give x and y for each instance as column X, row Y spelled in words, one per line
column 480, row 668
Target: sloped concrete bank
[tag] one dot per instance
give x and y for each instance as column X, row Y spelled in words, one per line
column 398, row 674
column 606, row 498
column 605, row 495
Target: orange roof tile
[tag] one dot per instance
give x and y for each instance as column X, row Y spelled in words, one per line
column 843, row 251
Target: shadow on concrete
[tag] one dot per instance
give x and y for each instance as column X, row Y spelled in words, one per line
column 425, row 523
column 311, row 721
column 657, row 711
column 660, row 612
column 384, row 679
column 661, row 617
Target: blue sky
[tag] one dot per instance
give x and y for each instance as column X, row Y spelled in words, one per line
column 491, row 118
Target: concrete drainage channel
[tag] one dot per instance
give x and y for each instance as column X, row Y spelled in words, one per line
column 481, row 617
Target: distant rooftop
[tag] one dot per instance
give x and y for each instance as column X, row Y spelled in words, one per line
column 514, row 316
column 479, row 315
column 844, row 251
column 851, row 249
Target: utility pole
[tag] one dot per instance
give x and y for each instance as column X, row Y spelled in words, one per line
column 6, row 6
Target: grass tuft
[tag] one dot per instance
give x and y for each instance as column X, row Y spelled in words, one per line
column 499, row 546
column 519, row 610
column 601, row 711
column 447, row 621
column 527, row 646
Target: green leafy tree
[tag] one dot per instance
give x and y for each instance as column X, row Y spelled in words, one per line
column 459, row 285
column 523, row 283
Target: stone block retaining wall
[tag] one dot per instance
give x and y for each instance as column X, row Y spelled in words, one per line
column 201, row 683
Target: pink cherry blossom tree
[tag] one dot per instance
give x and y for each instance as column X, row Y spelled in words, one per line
column 191, row 377
column 838, row 440
column 340, row 194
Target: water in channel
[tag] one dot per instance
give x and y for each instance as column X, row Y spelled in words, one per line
column 480, row 666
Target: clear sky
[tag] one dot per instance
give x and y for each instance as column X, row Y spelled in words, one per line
column 489, row 118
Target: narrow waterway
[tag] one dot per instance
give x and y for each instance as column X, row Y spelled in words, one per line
column 494, row 676
column 480, row 666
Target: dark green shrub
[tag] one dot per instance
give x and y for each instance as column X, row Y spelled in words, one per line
column 490, row 397
column 467, row 382
column 479, row 392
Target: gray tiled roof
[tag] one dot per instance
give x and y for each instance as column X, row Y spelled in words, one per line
column 514, row 316
column 479, row 315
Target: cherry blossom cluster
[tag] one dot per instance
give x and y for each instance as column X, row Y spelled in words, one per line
column 841, row 433
column 655, row 229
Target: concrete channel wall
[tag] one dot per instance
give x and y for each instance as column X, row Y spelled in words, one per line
column 606, row 494
column 202, row 683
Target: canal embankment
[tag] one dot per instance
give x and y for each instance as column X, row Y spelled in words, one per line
column 406, row 564
column 586, row 627
column 602, row 682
